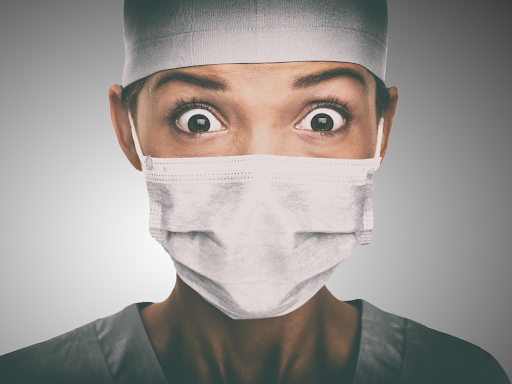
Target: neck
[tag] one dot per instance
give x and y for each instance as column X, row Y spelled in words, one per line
column 312, row 344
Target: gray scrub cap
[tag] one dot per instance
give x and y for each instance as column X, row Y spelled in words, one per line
column 168, row 34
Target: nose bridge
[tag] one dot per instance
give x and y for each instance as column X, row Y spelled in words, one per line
column 263, row 137
column 262, row 125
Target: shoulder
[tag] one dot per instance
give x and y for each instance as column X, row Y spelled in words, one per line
column 111, row 349
column 404, row 351
column 445, row 358
column 68, row 358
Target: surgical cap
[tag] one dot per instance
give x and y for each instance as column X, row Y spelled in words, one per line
column 168, row 34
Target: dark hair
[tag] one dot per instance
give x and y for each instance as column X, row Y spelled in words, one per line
column 382, row 97
column 131, row 92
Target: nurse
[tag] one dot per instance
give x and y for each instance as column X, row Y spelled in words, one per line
column 259, row 126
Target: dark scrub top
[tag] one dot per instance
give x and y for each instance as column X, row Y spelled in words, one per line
column 116, row 349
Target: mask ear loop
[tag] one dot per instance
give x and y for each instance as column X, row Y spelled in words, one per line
column 365, row 235
column 379, row 138
column 146, row 161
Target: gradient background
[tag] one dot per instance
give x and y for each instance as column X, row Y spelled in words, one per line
column 75, row 245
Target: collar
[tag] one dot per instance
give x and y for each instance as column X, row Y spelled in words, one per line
column 130, row 356
column 126, row 348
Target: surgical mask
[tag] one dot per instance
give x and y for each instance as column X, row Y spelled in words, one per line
column 257, row 236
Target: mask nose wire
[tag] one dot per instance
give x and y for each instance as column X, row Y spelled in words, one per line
column 136, row 140
column 379, row 138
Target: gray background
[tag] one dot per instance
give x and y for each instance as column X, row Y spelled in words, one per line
column 73, row 212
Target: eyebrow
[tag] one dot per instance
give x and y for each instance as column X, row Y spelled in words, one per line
column 201, row 81
column 317, row 78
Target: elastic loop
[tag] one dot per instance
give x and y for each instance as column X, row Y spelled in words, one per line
column 379, row 137
column 136, row 139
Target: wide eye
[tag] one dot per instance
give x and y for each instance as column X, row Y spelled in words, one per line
column 322, row 119
column 198, row 120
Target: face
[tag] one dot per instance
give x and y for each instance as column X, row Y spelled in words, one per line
column 306, row 109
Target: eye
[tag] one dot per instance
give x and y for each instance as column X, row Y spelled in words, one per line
column 322, row 119
column 198, row 120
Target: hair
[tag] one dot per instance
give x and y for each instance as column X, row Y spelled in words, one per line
column 131, row 92
column 382, row 97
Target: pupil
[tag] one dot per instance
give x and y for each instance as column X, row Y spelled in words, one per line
column 322, row 122
column 199, row 123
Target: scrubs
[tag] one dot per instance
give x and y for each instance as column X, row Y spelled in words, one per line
column 116, row 349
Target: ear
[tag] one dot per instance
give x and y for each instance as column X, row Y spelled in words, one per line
column 121, row 123
column 389, row 115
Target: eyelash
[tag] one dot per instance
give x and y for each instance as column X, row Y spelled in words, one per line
column 183, row 106
column 331, row 102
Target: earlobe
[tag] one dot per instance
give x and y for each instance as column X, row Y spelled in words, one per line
column 389, row 115
column 121, row 123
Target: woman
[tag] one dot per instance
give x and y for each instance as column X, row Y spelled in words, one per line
column 270, row 191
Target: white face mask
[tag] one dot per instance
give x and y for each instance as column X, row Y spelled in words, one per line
column 257, row 236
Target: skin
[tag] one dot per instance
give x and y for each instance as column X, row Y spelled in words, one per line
column 260, row 113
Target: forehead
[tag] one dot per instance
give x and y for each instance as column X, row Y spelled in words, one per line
column 230, row 75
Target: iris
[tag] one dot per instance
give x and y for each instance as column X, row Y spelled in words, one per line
column 199, row 123
column 322, row 122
